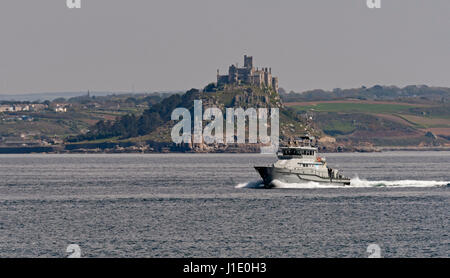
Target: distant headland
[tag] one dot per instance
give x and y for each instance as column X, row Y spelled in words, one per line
column 359, row 119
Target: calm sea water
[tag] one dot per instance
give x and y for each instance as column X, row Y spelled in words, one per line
column 207, row 205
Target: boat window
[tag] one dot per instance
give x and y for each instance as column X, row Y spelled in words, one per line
column 292, row 152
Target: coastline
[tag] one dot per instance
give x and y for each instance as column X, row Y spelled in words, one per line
column 167, row 150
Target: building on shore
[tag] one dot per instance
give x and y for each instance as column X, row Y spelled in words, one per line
column 249, row 75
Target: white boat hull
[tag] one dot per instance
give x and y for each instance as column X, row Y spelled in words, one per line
column 269, row 174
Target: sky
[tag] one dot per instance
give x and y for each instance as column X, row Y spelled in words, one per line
column 164, row 45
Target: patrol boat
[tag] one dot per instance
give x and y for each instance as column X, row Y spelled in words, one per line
column 301, row 164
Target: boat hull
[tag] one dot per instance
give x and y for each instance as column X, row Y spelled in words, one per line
column 269, row 174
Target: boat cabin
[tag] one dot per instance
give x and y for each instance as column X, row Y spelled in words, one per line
column 297, row 152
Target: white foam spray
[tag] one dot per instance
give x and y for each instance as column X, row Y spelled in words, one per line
column 251, row 184
column 354, row 183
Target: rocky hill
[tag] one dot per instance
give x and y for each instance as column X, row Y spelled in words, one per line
column 154, row 125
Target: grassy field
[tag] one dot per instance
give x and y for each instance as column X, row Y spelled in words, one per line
column 51, row 123
column 338, row 127
column 379, row 123
column 356, row 107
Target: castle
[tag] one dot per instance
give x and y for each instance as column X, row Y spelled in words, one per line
column 249, row 75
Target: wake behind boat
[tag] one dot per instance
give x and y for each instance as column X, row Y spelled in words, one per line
column 301, row 164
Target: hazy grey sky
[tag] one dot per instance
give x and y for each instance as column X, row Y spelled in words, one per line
column 179, row 44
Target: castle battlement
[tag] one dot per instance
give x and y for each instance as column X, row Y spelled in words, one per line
column 249, row 75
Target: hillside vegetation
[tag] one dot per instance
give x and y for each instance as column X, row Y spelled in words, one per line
column 155, row 124
column 363, row 119
column 415, row 116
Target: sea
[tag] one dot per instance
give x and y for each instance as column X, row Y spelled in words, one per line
column 214, row 205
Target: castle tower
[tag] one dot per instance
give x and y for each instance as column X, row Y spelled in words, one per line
column 275, row 84
column 267, row 78
column 232, row 74
column 248, row 62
